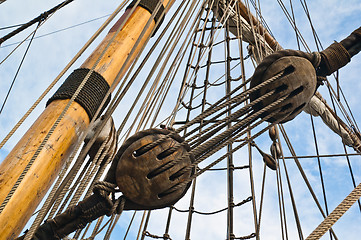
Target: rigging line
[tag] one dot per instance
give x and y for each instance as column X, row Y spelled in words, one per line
column 288, row 16
column 42, row 144
column 263, row 21
column 212, row 109
column 18, row 70
column 323, row 156
column 141, row 224
column 230, row 140
column 224, row 18
column 82, row 155
column 13, row 26
column 194, row 183
column 352, row 175
column 59, row 30
column 303, row 174
column 294, row 206
column 183, row 90
column 228, row 136
column 294, row 22
column 129, row 225
column 203, row 33
column 319, row 166
column 258, row 223
column 81, row 51
column 86, row 179
column 41, row 21
column 214, row 212
column 347, row 157
column 281, row 204
column 166, row 231
column 315, row 35
column 156, row 64
column 146, row 225
column 351, row 121
column 230, row 163
column 258, row 14
column 255, row 32
column 335, row 215
column 249, row 133
column 174, row 62
column 96, row 228
column 349, row 109
column 42, row 17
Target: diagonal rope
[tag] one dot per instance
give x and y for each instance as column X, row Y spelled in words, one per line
column 336, row 214
column 41, row 146
column 81, row 51
column 18, row 70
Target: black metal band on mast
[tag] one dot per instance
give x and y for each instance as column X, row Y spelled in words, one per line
column 40, row 18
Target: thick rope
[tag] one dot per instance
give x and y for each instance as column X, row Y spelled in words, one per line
column 336, row 214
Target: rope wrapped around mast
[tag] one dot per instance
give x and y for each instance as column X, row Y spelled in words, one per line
column 91, row 95
column 339, row 54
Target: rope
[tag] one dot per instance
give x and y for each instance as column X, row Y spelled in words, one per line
column 165, row 236
column 214, row 212
column 59, row 30
column 336, row 214
column 38, row 19
column 41, row 146
column 18, row 70
column 81, row 51
column 252, row 235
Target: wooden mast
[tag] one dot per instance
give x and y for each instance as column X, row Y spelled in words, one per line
column 50, row 160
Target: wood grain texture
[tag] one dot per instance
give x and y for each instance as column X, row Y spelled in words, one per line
column 51, row 159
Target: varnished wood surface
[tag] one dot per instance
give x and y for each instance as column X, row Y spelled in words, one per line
column 45, row 168
column 51, row 159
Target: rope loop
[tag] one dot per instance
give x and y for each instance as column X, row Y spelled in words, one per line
column 165, row 236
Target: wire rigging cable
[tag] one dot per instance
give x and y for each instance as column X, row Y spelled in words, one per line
column 226, row 124
column 18, row 70
column 59, row 30
column 42, row 17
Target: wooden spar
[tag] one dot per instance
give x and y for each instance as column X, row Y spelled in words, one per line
column 257, row 26
column 50, row 160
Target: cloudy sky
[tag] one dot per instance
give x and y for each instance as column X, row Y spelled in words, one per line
column 48, row 55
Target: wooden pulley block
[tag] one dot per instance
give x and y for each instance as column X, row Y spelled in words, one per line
column 298, row 82
column 148, row 178
column 273, row 133
column 276, row 150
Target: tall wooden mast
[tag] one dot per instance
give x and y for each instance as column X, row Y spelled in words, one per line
column 49, row 161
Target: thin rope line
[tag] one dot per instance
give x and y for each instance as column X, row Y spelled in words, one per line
column 81, row 51
column 59, row 30
column 41, row 146
column 18, row 70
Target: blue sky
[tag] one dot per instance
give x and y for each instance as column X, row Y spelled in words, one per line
column 332, row 19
